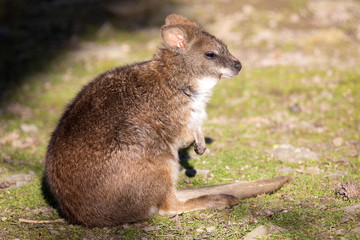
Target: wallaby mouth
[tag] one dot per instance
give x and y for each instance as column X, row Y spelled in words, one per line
column 231, row 71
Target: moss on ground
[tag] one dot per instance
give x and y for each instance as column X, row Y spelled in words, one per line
column 311, row 103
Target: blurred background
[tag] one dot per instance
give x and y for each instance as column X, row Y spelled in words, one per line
column 295, row 32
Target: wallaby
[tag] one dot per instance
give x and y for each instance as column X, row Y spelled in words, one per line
column 113, row 157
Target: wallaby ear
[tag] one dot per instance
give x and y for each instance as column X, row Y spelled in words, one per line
column 174, row 37
column 176, row 20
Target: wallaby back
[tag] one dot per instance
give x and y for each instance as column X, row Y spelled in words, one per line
column 113, row 156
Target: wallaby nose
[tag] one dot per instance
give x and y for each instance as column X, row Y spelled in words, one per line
column 237, row 65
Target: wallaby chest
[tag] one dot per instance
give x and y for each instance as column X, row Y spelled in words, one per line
column 203, row 88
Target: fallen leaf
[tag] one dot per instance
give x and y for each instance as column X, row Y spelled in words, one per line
column 345, row 219
column 188, row 182
column 348, row 190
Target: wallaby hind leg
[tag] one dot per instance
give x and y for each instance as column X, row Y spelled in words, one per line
column 239, row 190
column 219, row 196
column 214, row 201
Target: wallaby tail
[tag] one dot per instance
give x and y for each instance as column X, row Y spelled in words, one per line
column 239, row 190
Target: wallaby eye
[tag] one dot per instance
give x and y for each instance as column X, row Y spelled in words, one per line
column 210, row 55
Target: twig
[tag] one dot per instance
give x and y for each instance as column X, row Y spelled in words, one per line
column 210, row 216
column 41, row 221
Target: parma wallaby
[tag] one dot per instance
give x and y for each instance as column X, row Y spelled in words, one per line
column 113, row 157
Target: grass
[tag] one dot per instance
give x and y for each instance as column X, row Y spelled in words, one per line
column 248, row 116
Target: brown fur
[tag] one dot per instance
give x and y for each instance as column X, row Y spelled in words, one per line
column 113, row 156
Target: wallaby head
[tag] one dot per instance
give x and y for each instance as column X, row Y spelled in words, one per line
column 113, row 157
column 203, row 54
column 205, row 60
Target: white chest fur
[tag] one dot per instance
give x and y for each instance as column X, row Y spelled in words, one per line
column 201, row 96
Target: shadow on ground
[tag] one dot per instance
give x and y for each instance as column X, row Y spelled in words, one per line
column 184, row 157
column 33, row 32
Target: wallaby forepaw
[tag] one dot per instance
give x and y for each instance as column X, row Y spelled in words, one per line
column 199, row 149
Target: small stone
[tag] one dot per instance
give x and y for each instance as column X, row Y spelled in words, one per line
column 3, row 219
column 275, row 228
column 29, row 128
column 149, row 228
column 355, row 230
column 289, row 153
column 336, row 174
column 340, row 160
column 295, row 108
column 248, row 9
column 16, row 180
column 210, row 229
column 126, row 226
column 345, row 219
column 260, row 231
column 313, row 170
column 353, row 153
column 339, row 232
column 199, row 230
column 284, row 169
column 354, row 209
column 53, row 232
column 294, row 18
column 338, row 141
